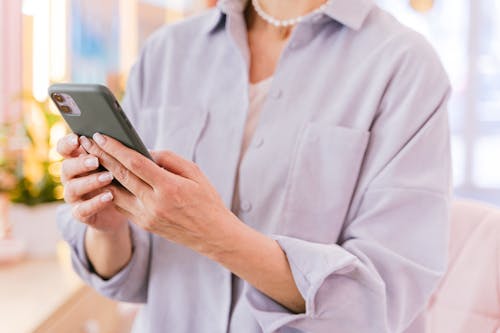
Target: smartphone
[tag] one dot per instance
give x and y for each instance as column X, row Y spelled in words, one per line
column 92, row 108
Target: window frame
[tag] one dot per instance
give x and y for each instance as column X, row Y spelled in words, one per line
column 471, row 127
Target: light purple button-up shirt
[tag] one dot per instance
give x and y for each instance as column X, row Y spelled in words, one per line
column 351, row 173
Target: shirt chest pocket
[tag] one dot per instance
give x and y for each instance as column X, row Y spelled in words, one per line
column 179, row 129
column 321, row 181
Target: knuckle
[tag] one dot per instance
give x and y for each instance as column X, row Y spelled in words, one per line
column 92, row 182
column 158, row 212
column 194, row 168
column 85, row 210
column 68, row 169
column 115, row 191
column 175, row 190
column 141, row 195
column 64, row 171
column 91, row 221
column 100, row 154
column 69, row 196
column 92, row 208
column 92, row 148
column 136, row 163
column 122, row 174
column 163, row 191
column 77, row 213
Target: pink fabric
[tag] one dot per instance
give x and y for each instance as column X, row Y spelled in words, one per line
column 10, row 59
column 468, row 300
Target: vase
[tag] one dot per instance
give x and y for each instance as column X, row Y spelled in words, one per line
column 11, row 249
column 36, row 227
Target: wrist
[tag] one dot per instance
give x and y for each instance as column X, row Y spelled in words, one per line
column 223, row 243
column 236, row 243
column 111, row 234
column 108, row 251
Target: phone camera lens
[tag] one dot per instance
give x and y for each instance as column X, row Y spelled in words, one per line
column 65, row 109
column 58, row 98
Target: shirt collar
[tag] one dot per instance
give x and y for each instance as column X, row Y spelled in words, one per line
column 351, row 13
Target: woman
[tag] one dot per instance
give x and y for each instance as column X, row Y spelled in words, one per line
column 301, row 181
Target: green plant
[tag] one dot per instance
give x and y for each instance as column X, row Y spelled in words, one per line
column 38, row 172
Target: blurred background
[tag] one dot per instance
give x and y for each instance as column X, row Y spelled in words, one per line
column 97, row 41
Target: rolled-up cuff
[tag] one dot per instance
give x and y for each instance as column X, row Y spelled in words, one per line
column 310, row 263
column 129, row 284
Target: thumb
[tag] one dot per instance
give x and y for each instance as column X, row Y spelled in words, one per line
column 69, row 146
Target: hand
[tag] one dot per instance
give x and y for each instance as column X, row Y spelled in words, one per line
column 172, row 198
column 86, row 189
column 175, row 200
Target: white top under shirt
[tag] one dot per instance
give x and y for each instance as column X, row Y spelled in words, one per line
column 257, row 94
column 353, row 212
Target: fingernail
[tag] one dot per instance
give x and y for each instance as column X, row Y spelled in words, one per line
column 107, row 197
column 105, row 177
column 85, row 142
column 99, row 139
column 91, row 162
column 73, row 140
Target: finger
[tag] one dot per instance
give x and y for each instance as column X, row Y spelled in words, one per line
column 78, row 166
column 141, row 166
column 176, row 164
column 94, row 193
column 77, row 188
column 126, row 202
column 85, row 210
column 69, row 146
column 127, row 178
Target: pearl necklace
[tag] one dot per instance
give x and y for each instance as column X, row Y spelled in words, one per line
column 283, row 23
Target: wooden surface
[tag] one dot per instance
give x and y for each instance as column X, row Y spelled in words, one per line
column 45, row 295
column 31, row 291
column 85, row 311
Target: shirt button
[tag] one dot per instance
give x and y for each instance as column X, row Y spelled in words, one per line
column 258, row 142
column 317, row 18
column 246, row 206
column 276, row 94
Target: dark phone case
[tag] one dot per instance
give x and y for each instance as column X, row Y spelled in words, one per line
column 100, row 113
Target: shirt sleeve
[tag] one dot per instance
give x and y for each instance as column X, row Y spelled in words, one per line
column 380, row 274
column 131, row 283
column 128, row 285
